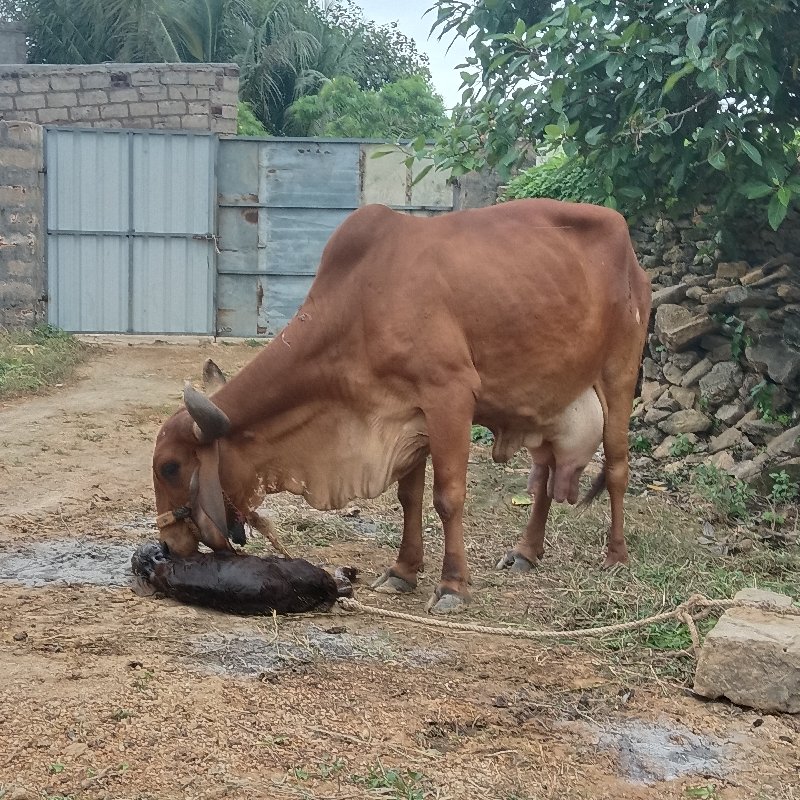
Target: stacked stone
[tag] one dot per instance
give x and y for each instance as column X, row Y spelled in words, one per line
column 22, row 290
column 724, row 349
column 168, row 96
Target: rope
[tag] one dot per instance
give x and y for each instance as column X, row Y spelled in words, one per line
column 697, row 607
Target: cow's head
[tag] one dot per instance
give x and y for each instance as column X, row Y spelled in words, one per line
column 186, row 474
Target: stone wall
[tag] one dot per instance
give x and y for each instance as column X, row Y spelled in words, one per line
column 22, row 270
column 721, row 373
column 174, row 96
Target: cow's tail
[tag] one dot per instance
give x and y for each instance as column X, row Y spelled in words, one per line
column 599, row 483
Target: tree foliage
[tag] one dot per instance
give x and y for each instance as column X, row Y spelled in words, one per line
column 666, row 102
column 285, row 48
column 404, row 109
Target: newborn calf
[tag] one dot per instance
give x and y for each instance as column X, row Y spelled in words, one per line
column 243, row 584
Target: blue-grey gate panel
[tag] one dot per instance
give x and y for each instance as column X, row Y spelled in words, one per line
column 131, row 222
column 279, row 203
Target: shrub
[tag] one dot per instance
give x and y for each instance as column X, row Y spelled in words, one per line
column 560, row 178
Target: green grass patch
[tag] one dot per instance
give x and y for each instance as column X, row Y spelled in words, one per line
column 31, row 361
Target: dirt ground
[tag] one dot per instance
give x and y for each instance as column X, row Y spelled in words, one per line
column 108, row 694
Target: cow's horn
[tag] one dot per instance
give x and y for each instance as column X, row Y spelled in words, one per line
column 211, row 421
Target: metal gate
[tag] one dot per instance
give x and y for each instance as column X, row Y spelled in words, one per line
column 131, row 224
column 279, row 202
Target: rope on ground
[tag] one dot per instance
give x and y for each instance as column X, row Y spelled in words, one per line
column 697, row 607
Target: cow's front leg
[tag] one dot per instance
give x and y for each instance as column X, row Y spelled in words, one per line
column 402, row 575
column 449, row 444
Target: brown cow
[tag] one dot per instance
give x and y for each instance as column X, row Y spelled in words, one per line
column 528, row 317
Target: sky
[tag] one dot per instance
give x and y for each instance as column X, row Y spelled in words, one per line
column 408, row 14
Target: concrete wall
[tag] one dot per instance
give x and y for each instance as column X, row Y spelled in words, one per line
column 13, row 47
column 173, row 96
column 22, row 269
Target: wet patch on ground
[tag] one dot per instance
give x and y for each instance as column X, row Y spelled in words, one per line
column 256, row 654
column 67, row 561
column 649, row 752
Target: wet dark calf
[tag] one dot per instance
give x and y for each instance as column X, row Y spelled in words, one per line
column 243, row 584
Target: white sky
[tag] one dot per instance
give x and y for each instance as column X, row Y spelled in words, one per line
column 408, row 14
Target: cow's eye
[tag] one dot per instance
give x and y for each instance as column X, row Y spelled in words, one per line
column 170, row 469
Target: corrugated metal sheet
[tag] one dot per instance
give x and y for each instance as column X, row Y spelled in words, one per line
column 280, row 200
column 131, row 218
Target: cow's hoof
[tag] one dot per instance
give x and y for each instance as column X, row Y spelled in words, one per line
column 515, row 562
column 446, row 601
column 612, row 564
column 389, row 583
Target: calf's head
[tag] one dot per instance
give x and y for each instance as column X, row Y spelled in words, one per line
column 186, row 477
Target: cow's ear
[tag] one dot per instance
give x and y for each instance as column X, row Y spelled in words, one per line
column 213, row 377
column 207, row 500
column 210, row 421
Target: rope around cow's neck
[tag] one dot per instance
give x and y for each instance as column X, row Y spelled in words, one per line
column 691, row 611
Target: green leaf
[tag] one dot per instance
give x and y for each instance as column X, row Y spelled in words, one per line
column 521, row 500
column 734, row 51
column 717, row 160
column 669, row 85
column 693, row 52
column 422, row 173
column 794, row 184
column 594, row 135
column 520, row 28
column 776, row 212
column 755, row 190
column 751, row 150
column 784, row 195
column 552, row 131
column 696, row 27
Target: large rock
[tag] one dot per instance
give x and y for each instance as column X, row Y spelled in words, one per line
column 728, row 438
column 732, row 269
column 693, row 375
column 752, row 657
column 686, row 421
column 673, row 373
column 779, row 360
column 730, row 413
column 677, row 328
column 723, row 460
column 721, row 383
column 669, row 294
column 759, row 430
column 685, row 398
column 786, row 443
column 651, row 391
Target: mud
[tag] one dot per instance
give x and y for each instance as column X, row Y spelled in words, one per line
column 67, row 561
column 256, row 654
column 652, row 752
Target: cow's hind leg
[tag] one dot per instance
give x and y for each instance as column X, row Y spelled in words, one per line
column 530, row 548
column 615, row 445
column 402, row 576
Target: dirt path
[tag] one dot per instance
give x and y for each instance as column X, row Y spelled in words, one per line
column 107, row 694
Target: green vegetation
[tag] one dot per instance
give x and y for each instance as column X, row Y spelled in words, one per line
column 286, row 49
column 247, row 123
column 559, row 178
column 682, row 446
column 401, row 110
column 481, row 435
column 730, row 496
column 664, row 103
column 34, row 360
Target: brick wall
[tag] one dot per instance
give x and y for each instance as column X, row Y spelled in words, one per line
column 174, row 96
column 22, row 270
